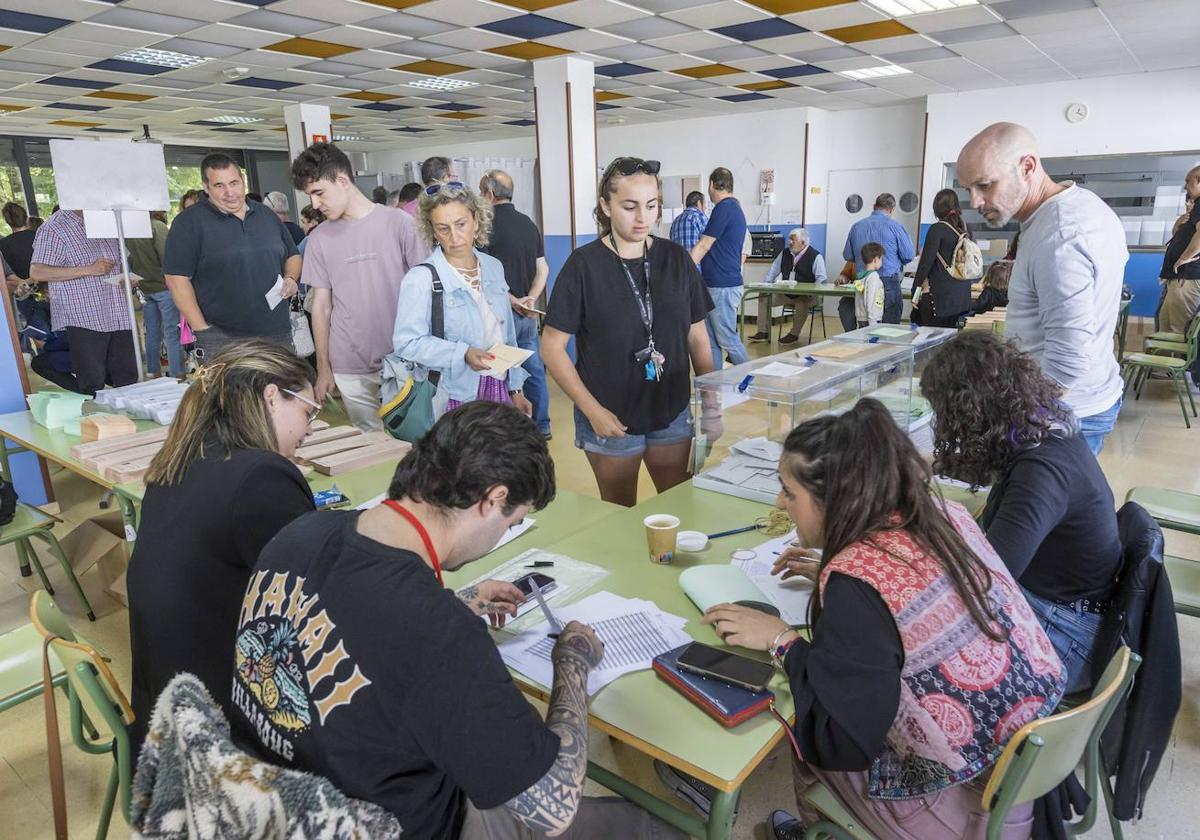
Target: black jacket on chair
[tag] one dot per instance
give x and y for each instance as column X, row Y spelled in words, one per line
column 1142, row 615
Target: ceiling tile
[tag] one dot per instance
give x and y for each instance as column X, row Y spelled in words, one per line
column 146, row 21
column 706, row 71
column 692, row 42
column 731, row 53
column 904, row 43
column 868, row 31
column 333, row 11
column 310, row 47
column 269, row 21
column 432, row 68
column 207, row 10
column 973, row 33
column 205, row 49
column 420, row 49
column 836, row 15
column 527, row 50
column 585, row 40
column 353, row 36
column 917, row 56
column 461, row 12
column 1061, row 22
column 723, row 14
column 24, row 22
column 774, row 84
column 94, row 34
column 1018, row 9
column 137, row 68
column 473, row 39
column 631, row 52
column 594, row 14
column 402, row 24
column 794, row 71
column 529, row 27
column 795, row 43
column 648, row 28
column 477, row 60
column 223, row 33
column 826, row 54
column 953, row 19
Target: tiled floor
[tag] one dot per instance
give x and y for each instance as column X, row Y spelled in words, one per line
column 1149, row 446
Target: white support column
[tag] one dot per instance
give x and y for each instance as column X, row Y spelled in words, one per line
column 564, row 97
column 306, row 124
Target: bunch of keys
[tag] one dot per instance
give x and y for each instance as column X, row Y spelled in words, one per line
column 653, row 361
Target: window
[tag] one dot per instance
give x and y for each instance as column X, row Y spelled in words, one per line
column 10, row 178
column 41, row 172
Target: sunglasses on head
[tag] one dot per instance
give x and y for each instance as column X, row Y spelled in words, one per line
column 628, row 165
column 434, row 189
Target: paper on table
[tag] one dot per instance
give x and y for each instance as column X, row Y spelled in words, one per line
column 115, row 279
column 761, row 449
column 634, row 631
column 791, row 596
column 836, row 350
column 889, row 332
column 506, row 357
column 779, row 369
column 274, row 295
column 571, row 577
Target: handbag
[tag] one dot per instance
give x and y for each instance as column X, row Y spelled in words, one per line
column 409, row 414
column 302, row 337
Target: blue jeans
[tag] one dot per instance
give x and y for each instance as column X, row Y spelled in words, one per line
column 37, row 320
column 1095, row 427
column 1072, row 632
column 535, row 386
column 161, row 316
column 723, row 327
column 623, row 447
column 893, row 302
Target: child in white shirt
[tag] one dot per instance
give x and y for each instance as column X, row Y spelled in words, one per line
column 868, row 288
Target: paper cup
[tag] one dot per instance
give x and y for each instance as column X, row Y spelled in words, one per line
column 661, row 531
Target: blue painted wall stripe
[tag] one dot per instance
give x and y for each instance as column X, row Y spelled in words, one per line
column 27, row 475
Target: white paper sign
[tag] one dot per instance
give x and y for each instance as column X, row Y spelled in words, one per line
column 102, row 224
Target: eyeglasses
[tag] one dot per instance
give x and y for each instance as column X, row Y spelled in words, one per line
column 434, row 189
column 629, row 165
column 316, row 406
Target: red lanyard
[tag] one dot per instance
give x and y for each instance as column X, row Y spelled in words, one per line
column 420, row 529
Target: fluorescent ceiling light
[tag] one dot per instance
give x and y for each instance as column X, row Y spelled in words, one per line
column 162, row 58
column 235, row 119
column 442, row 83
column 344, row 138
column 901, row 8
column 876, row 72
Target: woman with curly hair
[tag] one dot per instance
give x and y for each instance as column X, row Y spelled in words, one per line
column 474, row 302
column 1050, row 515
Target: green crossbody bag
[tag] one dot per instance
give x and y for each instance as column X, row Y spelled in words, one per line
column 409, row 415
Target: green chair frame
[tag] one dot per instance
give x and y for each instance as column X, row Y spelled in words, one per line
column 1174, row 510
column 1035, row 761
column 29, row 524
column 1137, row 367
column 815, row 312
column 94, row 695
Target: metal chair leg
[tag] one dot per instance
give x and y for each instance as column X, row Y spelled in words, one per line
column 57, row 551
column 22, row 560
column 24, row 544
column 110, row 799
column 1182, row 406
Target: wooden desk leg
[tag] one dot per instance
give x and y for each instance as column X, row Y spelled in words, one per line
column 720, row 815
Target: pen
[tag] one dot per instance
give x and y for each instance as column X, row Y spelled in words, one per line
column 745, row 383
column 539, row 564
column 731, row 532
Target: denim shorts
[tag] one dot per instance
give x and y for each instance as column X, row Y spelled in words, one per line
column 1072, row 632
column 621, row 447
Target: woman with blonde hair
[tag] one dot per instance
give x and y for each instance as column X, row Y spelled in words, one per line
column 220, row 488
column 473, row 302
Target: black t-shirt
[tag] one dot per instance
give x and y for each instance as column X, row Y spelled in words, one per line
column 517, row 243
column 197, row 542
column 295, row 230
column 592, row 301
column 233, row 263
column 950, row 297
column 1052, row 520
column 355, row 664
column 17, row 250
column 1175, row 248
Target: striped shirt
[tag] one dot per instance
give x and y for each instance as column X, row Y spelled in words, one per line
column 688, row 227
column 88, row 301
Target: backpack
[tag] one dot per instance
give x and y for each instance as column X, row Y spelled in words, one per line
column 968, row 258
column 8, row 502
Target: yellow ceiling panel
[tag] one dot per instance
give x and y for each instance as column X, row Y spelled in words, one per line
column 430, row 67
column 121, row 97
column 790, row 7
column 529, row 50
column 706, row 71
column 368, row 95
column 310, row 47
column 869, row 31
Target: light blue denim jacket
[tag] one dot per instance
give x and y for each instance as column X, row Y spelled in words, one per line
column 413, row 342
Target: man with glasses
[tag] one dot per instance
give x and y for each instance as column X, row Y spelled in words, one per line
column 353, row 262
column 719, row 255
column 223, row 255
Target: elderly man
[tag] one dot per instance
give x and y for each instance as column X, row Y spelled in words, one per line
column 898, row 249
column 1064, row 293
column 689, row 225
column 278, row 202
column 797, row 263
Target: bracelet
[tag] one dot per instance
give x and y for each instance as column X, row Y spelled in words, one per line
column 775, row 644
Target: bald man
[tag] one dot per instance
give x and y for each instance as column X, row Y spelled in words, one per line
column 1064, row 294
column 517, row 243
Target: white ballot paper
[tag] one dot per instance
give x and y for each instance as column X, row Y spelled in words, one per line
column 634, row 631
column 790, row 596
column 274, row 295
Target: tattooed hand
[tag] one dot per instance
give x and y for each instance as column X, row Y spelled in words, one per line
column 497, row 599
column 580, row 642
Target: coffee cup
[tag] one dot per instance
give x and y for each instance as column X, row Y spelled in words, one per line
column 661, row 532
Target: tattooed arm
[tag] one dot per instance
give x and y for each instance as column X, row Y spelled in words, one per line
column 549, row 806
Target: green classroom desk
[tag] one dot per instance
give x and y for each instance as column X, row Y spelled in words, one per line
column 639, row 709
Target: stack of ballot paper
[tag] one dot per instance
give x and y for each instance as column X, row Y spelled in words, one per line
column 752, row 464
column 634, row 631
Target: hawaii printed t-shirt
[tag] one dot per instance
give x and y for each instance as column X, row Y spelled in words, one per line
column 354, row 663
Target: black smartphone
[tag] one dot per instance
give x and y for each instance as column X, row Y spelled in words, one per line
column 726, row 666
column 545, row 583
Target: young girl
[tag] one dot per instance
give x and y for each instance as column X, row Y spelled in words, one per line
column 925, row 658
column 636, row 306
column 993, row 289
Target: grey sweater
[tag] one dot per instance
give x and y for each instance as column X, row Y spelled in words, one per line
column 1064, row 296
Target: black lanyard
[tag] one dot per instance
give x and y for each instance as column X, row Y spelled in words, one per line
column 645, row 302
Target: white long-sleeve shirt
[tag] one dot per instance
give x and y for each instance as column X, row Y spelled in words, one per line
column 776, row 268
column 1064, row 296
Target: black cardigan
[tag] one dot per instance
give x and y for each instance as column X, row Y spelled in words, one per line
column 950, row 297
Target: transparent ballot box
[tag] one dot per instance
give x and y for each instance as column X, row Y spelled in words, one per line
column 744, row 413
column 925, row 342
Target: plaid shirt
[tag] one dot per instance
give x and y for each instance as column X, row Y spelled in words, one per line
column 687, row 228
column 86, row 302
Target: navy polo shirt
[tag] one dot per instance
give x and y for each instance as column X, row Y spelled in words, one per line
column 233, row 263
column 722, row 265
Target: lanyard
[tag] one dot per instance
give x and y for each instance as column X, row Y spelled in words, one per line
column 422, row 533
column 645, row 302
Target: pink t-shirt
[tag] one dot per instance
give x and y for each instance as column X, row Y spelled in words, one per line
column 363, row 261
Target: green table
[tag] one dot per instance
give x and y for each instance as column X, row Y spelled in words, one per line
column 639, row 709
